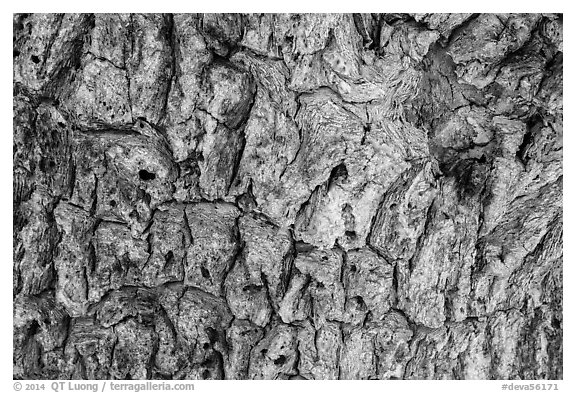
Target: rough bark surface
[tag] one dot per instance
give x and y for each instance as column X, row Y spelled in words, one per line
column 261, row 196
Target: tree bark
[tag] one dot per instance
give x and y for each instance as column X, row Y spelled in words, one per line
column 262, row 196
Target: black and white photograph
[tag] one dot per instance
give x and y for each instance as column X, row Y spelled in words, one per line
column 287, row 196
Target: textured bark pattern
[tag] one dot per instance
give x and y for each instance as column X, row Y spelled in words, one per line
column 288, row 196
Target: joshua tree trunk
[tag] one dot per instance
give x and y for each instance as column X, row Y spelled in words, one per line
column 288, row 196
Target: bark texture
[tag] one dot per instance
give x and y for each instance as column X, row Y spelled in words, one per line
column 261, row 196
